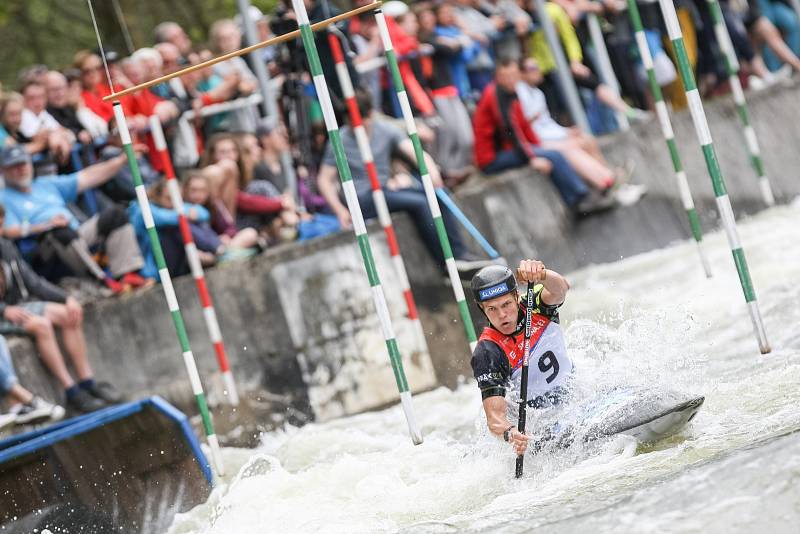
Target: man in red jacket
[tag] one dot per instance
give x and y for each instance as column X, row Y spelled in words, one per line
column 504, row 140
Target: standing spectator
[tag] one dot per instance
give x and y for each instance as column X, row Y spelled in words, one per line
column 504, row 140
column 368, row 49
column 464, row 49
column 40, row 207
column 406, row 47
column 29, row 408
column 401, row 191
column 454, row 135
column 208, row 88
column 484, row 30
column 517, row 26
column 583, row 74
column 227, row 38
column 32, row 305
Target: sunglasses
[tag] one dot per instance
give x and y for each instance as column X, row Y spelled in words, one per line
column 96, row 68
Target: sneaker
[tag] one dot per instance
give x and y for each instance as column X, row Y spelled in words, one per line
column 136, row 280
column 629, row 194
column 472, row 262
column 116, row 288
column 594, row 202
column 84, row 402
column 105, row 392
column 7, row 419
column 37, row 411
column 639, row 115
column 624, row 173
column 755, row 83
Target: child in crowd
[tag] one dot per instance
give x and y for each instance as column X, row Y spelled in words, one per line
column 197, row 191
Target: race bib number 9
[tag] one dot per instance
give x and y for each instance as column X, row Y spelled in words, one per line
column 548, row 364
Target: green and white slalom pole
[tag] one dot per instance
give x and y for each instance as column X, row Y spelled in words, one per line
column 669, row 136
column 209, row 312
column 360, row 134
column 732, row 68
column 427, row 182
column 166, row 280
column 359, row 227
column 714, row 171
column 169, row 291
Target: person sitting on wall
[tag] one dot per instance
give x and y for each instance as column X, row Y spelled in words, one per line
column 31, row 305
column 38, row 208
column 504, row 140
column 28, row 408
column 401, row 191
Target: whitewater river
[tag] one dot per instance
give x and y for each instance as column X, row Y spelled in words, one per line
column 653, row 319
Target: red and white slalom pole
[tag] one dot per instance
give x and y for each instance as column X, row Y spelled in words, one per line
column 378, row 198
column 194, row 262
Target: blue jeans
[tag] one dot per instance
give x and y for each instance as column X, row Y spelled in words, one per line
column 414, row 202
column 569, row 184
column 785, row 19
column 7, row 377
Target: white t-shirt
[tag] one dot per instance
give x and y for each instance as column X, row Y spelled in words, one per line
column 534, row 105
column 32, row 124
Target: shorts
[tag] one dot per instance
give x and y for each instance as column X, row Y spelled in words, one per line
column 35, row 307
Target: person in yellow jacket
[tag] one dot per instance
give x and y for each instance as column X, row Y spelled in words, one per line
column 584, row 77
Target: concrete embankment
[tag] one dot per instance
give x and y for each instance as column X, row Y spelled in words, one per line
column 298, row 321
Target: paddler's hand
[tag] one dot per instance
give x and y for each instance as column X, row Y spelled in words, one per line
column 531, row 271
column 519, row 441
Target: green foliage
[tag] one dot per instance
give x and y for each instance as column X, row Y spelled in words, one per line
column 52, row 31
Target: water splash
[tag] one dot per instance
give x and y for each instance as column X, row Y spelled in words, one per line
column 651, row 321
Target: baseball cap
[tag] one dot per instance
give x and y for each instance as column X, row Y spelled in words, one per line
column 13, row 155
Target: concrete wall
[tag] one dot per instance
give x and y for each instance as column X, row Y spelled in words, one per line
column 298, row 321
column 549, row 232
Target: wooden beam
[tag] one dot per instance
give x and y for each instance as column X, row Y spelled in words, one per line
column 269, row 42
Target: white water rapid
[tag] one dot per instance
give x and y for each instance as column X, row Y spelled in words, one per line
column 652, row 319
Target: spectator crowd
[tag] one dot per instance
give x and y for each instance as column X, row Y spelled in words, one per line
column 480, row 76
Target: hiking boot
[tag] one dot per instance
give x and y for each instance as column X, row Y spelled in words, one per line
column 37, row 411
column 84, row 402
column 594, row 202
column 105, row 392
column 470, row 261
